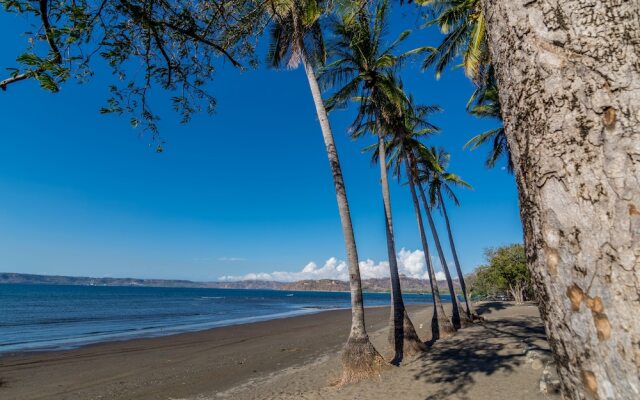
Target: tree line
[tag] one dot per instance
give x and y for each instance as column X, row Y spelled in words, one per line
column 561, row 76
column 505, row 276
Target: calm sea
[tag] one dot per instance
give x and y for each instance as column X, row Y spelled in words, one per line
column 48, row 317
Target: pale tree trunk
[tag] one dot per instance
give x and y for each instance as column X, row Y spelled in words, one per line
column 360, row 359
column 568, row 75
column 463, row 286
column 402, row 333
column 455, row 311
column 441, row 327
column 517, row 293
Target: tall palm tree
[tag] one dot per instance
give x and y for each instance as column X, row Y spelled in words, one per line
column 426, row 163
column 296, row 38
column 366, row 69
column 409, row 127
column 440, row 181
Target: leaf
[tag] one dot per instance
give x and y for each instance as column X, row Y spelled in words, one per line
column 47, row 82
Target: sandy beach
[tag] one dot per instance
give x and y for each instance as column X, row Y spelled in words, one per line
column 292, row 358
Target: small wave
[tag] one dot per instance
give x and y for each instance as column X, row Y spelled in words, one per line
column 212, row 297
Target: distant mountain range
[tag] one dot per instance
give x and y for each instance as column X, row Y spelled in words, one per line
column 326, row 285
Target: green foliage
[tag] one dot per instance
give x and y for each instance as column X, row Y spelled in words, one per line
column 506, row 271
column 296, row 33
column 485, row 103
column 172, row 45
column 432, row 170
column 366, row 69
column 405, row 147
column 463, row 24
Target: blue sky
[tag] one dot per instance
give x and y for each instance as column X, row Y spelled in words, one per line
column 245, row 190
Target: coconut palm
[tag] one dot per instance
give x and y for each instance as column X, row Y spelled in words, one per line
column 409, row 127
column 426, row 162
column 296, row 38
column 441, row 180
column 366, row 68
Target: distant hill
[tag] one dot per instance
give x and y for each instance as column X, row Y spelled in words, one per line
column 327, row 285
column 409, row 285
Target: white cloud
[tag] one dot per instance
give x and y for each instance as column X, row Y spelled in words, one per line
column 410, row 263
column 231, row 259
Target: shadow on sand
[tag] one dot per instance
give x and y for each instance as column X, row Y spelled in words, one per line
column 497, row 345
column 489, row 306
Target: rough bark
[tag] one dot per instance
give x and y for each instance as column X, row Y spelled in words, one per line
column 463, row 286
column 402, row 334
column 455, row 312
column 517, row 292
column 360, row 359
column 568, row 76
column 441, row 327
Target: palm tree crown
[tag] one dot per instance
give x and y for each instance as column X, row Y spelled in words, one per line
column 296, row 33
column 364, row 67
column 438, row 178
column 463, row 23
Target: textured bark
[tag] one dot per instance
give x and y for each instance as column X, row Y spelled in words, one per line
column 568, row 76
column 402, row 334
column 455, row 312
column 360, row 359
column 463, row 285
column 441, row 327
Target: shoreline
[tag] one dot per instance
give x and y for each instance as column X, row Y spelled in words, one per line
column 290, row 358
column 215, row 358
column 203, row 327
column 75, row 335
column 162, row 333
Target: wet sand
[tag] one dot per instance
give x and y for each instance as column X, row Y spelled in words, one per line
column 288, row 358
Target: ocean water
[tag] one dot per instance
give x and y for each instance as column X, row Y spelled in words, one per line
column 52, row 317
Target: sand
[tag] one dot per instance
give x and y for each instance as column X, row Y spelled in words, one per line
column 292, row 358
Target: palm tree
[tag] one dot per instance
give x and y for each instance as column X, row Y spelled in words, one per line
column 366, row 69
column 426, row 164
column 409, row 127
column 442, row 180
column 296, row 38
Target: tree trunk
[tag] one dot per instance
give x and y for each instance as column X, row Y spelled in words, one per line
column 359, row 359
column 402, row 333
column 463, row 286
column 454, row 301
column 568, row 76
column 516, row 293
column 441, row 327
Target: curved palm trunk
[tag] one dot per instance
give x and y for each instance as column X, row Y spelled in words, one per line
column 454, row 301
column 463, row 286
column 359, row 359
column 441, row 327
column 402, row 334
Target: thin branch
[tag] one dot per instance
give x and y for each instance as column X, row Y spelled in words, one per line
column 193, row 35
column 17, row 78
column 44, row 15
